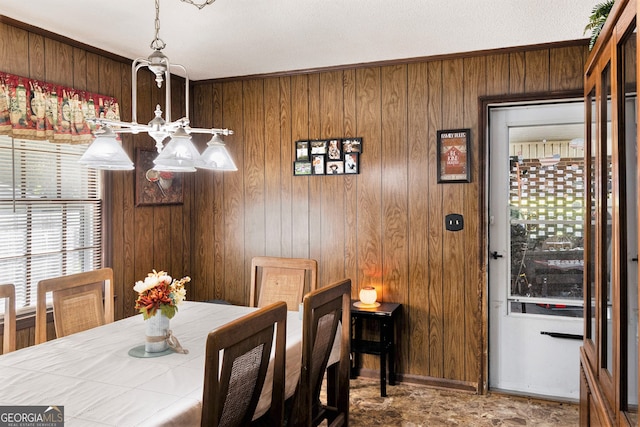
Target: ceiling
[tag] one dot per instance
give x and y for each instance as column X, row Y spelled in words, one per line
column 231, row 38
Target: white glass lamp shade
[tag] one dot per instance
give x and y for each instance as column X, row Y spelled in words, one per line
column 216, row 156
column 105, row 152
column 368, row 295
column 179, row 155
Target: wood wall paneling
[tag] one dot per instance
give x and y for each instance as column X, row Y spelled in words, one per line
column 286, row 161
column 435, row 233
column 369, row 220
column 273, row 168
column 330, row 196
column 383, row 227
column 37, row 59
column 474, row 83
column 14, row 50
column 453, row 249
column 537, row 71
column 204, row 233
column 233, row 209
column 350, row 216
column 254, row 170
column 395, row 233
column 299, row 231
column 417, row 304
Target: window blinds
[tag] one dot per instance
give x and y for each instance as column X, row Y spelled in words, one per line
column 50, row 214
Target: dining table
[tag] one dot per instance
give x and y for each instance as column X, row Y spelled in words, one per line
column 98, row 382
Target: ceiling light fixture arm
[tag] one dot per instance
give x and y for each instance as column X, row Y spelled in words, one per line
column 199, row 5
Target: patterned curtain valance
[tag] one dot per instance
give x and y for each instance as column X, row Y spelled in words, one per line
column 32, row 109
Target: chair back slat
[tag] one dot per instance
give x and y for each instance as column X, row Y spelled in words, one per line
column 281, row 279
column 8, row 292
column 232, row 389
column 326, row 314
column 81, row 301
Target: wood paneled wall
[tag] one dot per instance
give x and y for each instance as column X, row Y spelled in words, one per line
column 383, row 227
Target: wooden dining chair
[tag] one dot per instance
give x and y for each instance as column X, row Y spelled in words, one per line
column 232, row 390
column 325, row 309
column 281, row 279
column 77, row 302
column 8, row 293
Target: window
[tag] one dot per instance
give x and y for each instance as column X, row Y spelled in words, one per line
column 50, row 214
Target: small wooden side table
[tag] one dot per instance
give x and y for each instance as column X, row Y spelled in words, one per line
column 385, row 314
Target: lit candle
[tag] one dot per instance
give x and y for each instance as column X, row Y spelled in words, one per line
column 368, row 295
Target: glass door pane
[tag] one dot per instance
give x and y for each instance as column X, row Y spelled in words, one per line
column 607, row 232
column 628, row 200
column 546, row 204
column 590, row 256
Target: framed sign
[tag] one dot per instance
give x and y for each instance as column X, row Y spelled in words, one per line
column 453, row 161
column 156, row 187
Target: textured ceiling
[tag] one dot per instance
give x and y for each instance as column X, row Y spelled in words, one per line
column 246, row 37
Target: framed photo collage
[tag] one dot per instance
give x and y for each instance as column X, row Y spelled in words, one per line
column 336, row 156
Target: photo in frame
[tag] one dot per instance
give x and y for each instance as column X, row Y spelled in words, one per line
column 334, row 151
column 318, row 164
column 319, row 147
column 302, row 168
column 351, row 163
column 156, row 187
column 352, row 145
column 302, row 150
column 335, row 167
column 453, row 159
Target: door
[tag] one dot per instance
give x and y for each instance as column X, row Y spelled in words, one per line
column 536, row 199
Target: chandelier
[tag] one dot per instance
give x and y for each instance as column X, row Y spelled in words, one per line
column 179, row 154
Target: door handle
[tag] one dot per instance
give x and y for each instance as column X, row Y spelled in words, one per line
column 495, row 255
column 562, row 335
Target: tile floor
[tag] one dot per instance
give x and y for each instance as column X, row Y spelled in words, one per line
column 410, row 405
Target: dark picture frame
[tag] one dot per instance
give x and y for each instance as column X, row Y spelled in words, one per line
column 335, row 167
column 302, row 150
column 302, row 168
column 318, row 162
column 331, row 156
column 156, row 187
column 453, row 155
column 351, row 163
column 334, row 150
column 318, row 147
column 351, row 145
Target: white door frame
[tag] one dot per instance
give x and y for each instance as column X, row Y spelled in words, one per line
column 522, row 377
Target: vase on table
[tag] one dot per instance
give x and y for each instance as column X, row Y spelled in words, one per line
column 157, row 329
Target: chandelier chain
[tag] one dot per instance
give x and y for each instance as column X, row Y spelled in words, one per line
column 157, row 43
column 199, row 5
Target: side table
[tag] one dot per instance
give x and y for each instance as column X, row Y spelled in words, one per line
column 385, row 314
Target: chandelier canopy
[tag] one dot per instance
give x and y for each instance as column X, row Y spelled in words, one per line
column 179, row 154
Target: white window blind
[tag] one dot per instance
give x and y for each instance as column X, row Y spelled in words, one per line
column 50, row 215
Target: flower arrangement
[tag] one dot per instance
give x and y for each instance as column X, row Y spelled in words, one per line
column 159, row 291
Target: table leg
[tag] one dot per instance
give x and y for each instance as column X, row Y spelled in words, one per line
column 389, row 342
column 356, row 358
column 383, row 361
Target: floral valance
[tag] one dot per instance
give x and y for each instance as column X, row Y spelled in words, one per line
column 33, row 109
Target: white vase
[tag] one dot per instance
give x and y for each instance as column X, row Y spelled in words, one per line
column 157, row 328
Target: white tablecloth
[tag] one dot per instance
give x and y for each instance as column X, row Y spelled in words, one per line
column 92, row 375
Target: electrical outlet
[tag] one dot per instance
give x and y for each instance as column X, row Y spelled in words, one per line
column 453, row 222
